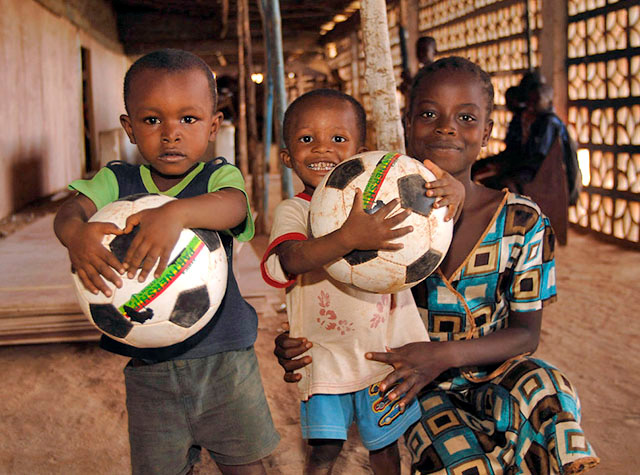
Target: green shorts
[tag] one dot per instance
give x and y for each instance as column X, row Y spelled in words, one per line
column 177, row 407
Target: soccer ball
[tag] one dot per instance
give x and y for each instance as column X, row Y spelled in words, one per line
column 383, row 176
column 167, row 310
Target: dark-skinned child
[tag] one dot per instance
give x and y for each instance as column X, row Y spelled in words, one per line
column 205, row 392
column 321, row 129
column 487, row 405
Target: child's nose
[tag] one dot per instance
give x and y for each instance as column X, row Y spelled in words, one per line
column 321, row 146
column 170, row 133
column 446, row 127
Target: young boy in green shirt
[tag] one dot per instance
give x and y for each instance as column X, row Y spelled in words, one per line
column 206, row 391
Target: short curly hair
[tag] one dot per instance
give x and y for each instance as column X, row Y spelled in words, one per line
column 324, row 93
column 454, row 63
column 170, row 60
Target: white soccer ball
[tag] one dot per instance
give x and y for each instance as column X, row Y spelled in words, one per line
column 167, row 310
column 383, row 176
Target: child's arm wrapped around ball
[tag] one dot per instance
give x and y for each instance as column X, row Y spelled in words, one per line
column 361, row 230
column 159, row 228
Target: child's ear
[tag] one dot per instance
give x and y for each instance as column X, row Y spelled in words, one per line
column 215, row 126
column 125, row 121
column 286, row 158
column 488, row 127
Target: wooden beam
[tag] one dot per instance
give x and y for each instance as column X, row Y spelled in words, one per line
column 241, row 130
column 255, row 156
column 267, row 123
column 409, row 20
column 273, row 19
column 553, row 51
column 303, row 41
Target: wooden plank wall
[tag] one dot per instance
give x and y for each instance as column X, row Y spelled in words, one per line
column 42, row 145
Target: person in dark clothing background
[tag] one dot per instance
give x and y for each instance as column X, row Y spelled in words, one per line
column 532, row 131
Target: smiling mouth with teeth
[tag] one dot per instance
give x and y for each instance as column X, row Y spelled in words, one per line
column 321, row 166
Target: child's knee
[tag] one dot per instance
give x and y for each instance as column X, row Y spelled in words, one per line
column 385, row 460
column 324, row 451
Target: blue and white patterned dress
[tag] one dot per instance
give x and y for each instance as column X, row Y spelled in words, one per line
column 519, row 417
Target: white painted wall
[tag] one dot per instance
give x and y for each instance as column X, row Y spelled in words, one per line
column 41, row 139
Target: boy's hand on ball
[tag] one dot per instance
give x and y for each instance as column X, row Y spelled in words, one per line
column 451, row 192
column 91, row 260
column 364, row 231
column 158, row 233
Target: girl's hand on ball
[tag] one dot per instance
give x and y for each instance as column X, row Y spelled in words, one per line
column 91, row 260
column 158, row 233
column 445, row 186
column 366, row 231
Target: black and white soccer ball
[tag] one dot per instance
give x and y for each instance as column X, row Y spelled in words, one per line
column 383, row 176
column 167, row 310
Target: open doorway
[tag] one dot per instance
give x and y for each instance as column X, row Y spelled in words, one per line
column 87, row 110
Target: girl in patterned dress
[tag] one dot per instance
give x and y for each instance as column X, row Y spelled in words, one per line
column 488, row 407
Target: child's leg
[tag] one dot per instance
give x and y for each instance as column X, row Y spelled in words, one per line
column 381, row 423
column 160, row 440
column 385, row 460
column 325, row 420
column 227, row 411
column 321, row 456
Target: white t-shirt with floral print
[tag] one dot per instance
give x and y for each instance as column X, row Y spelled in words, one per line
column 343, row 323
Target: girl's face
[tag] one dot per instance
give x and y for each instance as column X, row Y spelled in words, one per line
column 448, row 121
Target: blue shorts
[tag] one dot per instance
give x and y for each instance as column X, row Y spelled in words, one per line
column 380, row 423
column 175, row 408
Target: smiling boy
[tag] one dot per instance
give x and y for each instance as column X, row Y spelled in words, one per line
column 206, row 391
column 321, row 129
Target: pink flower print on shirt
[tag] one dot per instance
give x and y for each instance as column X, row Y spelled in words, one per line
column 381, row 306
column 328, row 318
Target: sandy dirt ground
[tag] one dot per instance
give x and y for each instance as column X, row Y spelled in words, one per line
column 63, row 405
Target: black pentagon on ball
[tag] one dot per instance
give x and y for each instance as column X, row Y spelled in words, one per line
column 344, row 174
column 423, row 266
column 109, row 319
column 412, row 194
column 209, row 237
column 119, row 245
column 190, row 306
column 356, row 257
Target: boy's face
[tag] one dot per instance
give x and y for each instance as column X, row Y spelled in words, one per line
column 171, row 118
column 323, row 133
column 448, row 122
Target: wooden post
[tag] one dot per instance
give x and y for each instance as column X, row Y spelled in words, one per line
column 254, row 152
column 355, row 63
column 379, row 76
column 267, row 125
column 273, row 16
column 242, row 153
column 409, row 20
column 553, row 51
